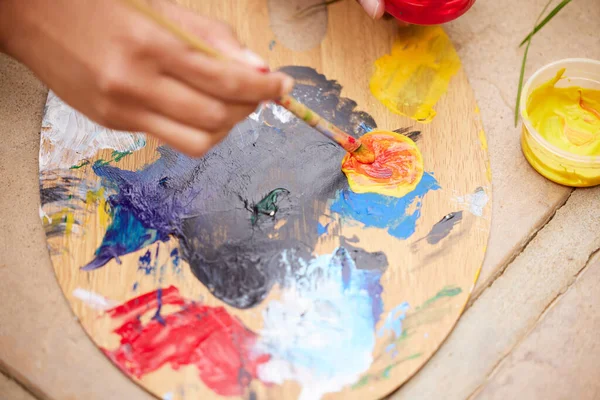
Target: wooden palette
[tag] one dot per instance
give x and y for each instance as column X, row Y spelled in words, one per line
column 426, row 282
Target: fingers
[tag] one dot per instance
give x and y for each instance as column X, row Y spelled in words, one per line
column 190, row 141
column 375, row 8
column 185, row 98
column 133, row 116
column 228, row 81
column 183, row 104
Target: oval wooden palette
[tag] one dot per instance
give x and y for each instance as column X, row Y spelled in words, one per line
column 180, row 299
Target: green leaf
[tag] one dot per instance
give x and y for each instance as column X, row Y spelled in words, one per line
column 551, row 15
column 521, row 77
column 538, row 25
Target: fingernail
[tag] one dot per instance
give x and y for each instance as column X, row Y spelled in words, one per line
column 253, row 59
column 288, row 85
column 378, row 13
column 373, row 7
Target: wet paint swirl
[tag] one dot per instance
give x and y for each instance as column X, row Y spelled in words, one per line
column 397, row 170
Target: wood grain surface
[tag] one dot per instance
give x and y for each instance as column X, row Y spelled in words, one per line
column 44, row 348
column 419, row 273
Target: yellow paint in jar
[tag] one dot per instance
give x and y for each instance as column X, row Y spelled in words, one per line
column 568, row 118
column 561, row 129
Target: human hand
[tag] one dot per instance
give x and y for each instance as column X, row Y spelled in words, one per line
column 376, row 10
column 127, row 73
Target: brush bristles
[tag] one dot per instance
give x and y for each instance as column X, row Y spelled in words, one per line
column 364, row 155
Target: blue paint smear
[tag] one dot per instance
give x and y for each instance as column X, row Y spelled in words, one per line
column 157, row 315
column 364, row 127
column 393, row 321
column 145, row 263
column 125, row 235
column 393, row 325
column 176, row 261
column 386, row 212
column 144, row 210
column 322, row 229
column 135, row 286
column 328, row 312
column 175, row 257
column 272, row 44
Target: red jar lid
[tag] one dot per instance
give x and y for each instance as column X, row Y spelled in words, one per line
column 427, row 12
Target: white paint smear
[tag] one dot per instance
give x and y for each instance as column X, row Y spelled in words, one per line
column 474, row 203
column 68, row 137
column 279, row 113
column 44, row 217
column 94, row 300
column 320, row 333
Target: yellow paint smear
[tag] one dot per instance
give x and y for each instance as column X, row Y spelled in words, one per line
column 488, row 170
column 97, row 198
column 64, row 217
column 484, row 146
column 483, row 140
column 568, row 118
column 411, row 79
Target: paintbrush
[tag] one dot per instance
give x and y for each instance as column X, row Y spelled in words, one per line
column 347, row 142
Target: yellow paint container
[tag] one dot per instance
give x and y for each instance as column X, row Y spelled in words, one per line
column 551, row 158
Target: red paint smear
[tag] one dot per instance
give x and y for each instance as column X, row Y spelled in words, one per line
column 131, row 309
column 219, row 345
column 398, row 162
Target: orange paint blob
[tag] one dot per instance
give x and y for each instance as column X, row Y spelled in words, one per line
column 397, row 170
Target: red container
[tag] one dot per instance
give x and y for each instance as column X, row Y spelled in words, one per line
column 427, row 12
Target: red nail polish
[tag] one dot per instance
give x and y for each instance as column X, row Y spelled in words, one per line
column 264, row 70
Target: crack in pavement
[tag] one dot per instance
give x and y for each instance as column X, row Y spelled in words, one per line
column 561, row 293
column 504, row 266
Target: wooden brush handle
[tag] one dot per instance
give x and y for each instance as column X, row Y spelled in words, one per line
column 313, row 119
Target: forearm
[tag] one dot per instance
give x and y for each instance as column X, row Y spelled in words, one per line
column 30, row 28
column 13, row 21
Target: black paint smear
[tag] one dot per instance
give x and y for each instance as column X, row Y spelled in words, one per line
column 323, row 96
column 445, row 225
column 59, row 192
column 413, row 135
column 53, row 194
column 55, row 189
column 199, row 200
column 242, row 265
column 443, row 228
column 376, row 260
